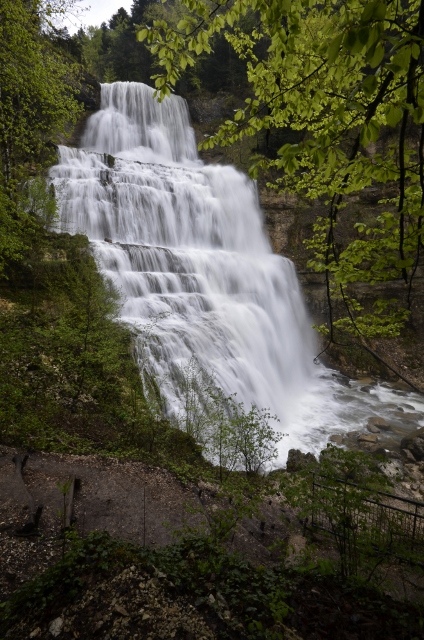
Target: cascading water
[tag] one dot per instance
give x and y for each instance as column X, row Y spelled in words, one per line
column 184, row 245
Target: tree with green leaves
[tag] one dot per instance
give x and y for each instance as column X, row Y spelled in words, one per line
column 348, row 79
column 37, row 87
column 37, row 91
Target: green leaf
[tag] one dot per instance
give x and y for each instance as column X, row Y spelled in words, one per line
column 393, row 115
column 402, row 58
column 374, row 130
column 377, row 56
column 142, row 34
column 363, row 35
column 364, row 136
column 334, row 48
column 350, row 39
column 415, row 50
column 369, row 85
column 380, row 10
column 375, row 10
column 418, row 115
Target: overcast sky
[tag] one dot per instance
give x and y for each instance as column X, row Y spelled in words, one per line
column 100, row 11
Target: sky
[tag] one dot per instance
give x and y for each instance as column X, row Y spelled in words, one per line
column 100, row 11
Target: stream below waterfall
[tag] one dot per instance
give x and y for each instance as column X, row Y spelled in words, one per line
column 184, row 245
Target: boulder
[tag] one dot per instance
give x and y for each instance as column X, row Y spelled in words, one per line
column 337, row 438
column 296, row 460
column 394, row 455
column 372, row 428
column 411, row 416
column 408, row 455
column 341, row 379
column 370, row 447
column 380, row 423
column 414, row 442
column 365, row 437
column 393, row 469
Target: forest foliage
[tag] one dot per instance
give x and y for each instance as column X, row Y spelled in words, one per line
column 110, row 52
column 347, row 79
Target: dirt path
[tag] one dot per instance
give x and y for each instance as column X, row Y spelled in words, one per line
column 111, row 497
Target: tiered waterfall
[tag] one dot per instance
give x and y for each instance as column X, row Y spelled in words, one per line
column 184, row 244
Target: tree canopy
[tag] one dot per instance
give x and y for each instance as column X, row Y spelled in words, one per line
column 37, row 87
column 348, row 78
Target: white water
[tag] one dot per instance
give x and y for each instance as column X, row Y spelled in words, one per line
column 188, row 248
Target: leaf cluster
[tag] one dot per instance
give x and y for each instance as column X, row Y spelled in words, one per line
column 345, row 76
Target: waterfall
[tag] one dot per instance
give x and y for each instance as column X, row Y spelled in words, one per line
column 185, row 246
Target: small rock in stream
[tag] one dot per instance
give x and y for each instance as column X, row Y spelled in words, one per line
column 372, row 428
column 380, row 423
column 368, row 438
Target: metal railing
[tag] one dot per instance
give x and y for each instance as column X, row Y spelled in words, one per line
column 394, row 525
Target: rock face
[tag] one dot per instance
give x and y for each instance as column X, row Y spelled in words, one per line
column 296, row 460
column 414, row 442
column 89, row 92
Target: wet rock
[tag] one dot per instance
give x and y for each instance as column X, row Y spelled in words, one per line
column 367, row 388
column 370, row 447
column 336, row 439
column 408, row 455
column 380, row 423
column 344, row 380
column 412, row 416
column 367, row 438
column 296, row 460
column 414, row 442
column 352, row 434
column 394, row 455
column 344, row 397
column 407, row 406
column 372, row 428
